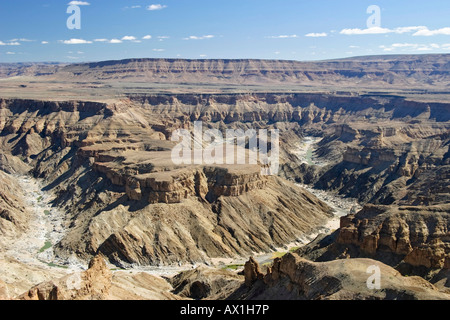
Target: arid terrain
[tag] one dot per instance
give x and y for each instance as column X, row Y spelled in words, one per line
column 93, row 207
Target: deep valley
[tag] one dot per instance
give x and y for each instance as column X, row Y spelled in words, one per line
column 93, row 207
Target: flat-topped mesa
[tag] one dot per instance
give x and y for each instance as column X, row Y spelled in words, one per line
column 206, row 183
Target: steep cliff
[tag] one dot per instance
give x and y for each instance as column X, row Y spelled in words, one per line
column 14, row 214
column 414, row 240
column 417, row 71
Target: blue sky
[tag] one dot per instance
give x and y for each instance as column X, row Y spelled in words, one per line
column 35, row 30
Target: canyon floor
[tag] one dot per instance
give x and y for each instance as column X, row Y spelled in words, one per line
column 92, row 205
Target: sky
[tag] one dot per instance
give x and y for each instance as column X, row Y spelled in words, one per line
column 97, row 30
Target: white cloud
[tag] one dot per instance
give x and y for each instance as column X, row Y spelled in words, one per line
column 76, row 41
column 155, row 7
column 9, row 43
column 427, row 33
column 316, row 35
column 78, row 3
column 128, row 38
column 283, row 36
column 108, row 41
column 159, row 50
column 9, row 52
column 418, row 31
column 44, row 42
column 199, row 38
column 411, row 47
column 147, row 37
column 21, row 40
column 424, row 49
column 402, row 30
column 375, row 30
column 203, row 56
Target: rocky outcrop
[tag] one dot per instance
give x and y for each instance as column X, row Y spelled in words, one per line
column 413, row 240
column 205, row 283
column 206, row 183
column 294, row 278
column 418, row 234
column 252, row 272
column 92, row 284
column 99, row 283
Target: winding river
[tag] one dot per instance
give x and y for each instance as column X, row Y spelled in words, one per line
column 47, row 227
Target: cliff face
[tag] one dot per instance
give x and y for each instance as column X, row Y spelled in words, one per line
column 414, row 71
column 294, row 278
column 390, row 163
column 208, row 183
column 413, row 240
column 303, row 108
column 14, row 215
column 419, row 235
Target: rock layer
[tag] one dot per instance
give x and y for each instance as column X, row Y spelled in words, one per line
column 418, row 234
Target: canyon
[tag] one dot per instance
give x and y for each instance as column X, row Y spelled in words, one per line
column 109, row 197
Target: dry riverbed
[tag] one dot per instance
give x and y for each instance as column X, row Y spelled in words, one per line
column 47, row 227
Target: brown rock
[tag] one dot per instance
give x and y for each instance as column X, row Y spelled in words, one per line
column 292, row 278
column 92, row 284
column 205, row 283
column 4, row 292
column 252, row 272
column 416, row 233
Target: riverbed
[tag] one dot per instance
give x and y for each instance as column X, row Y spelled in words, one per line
column 48, row 226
